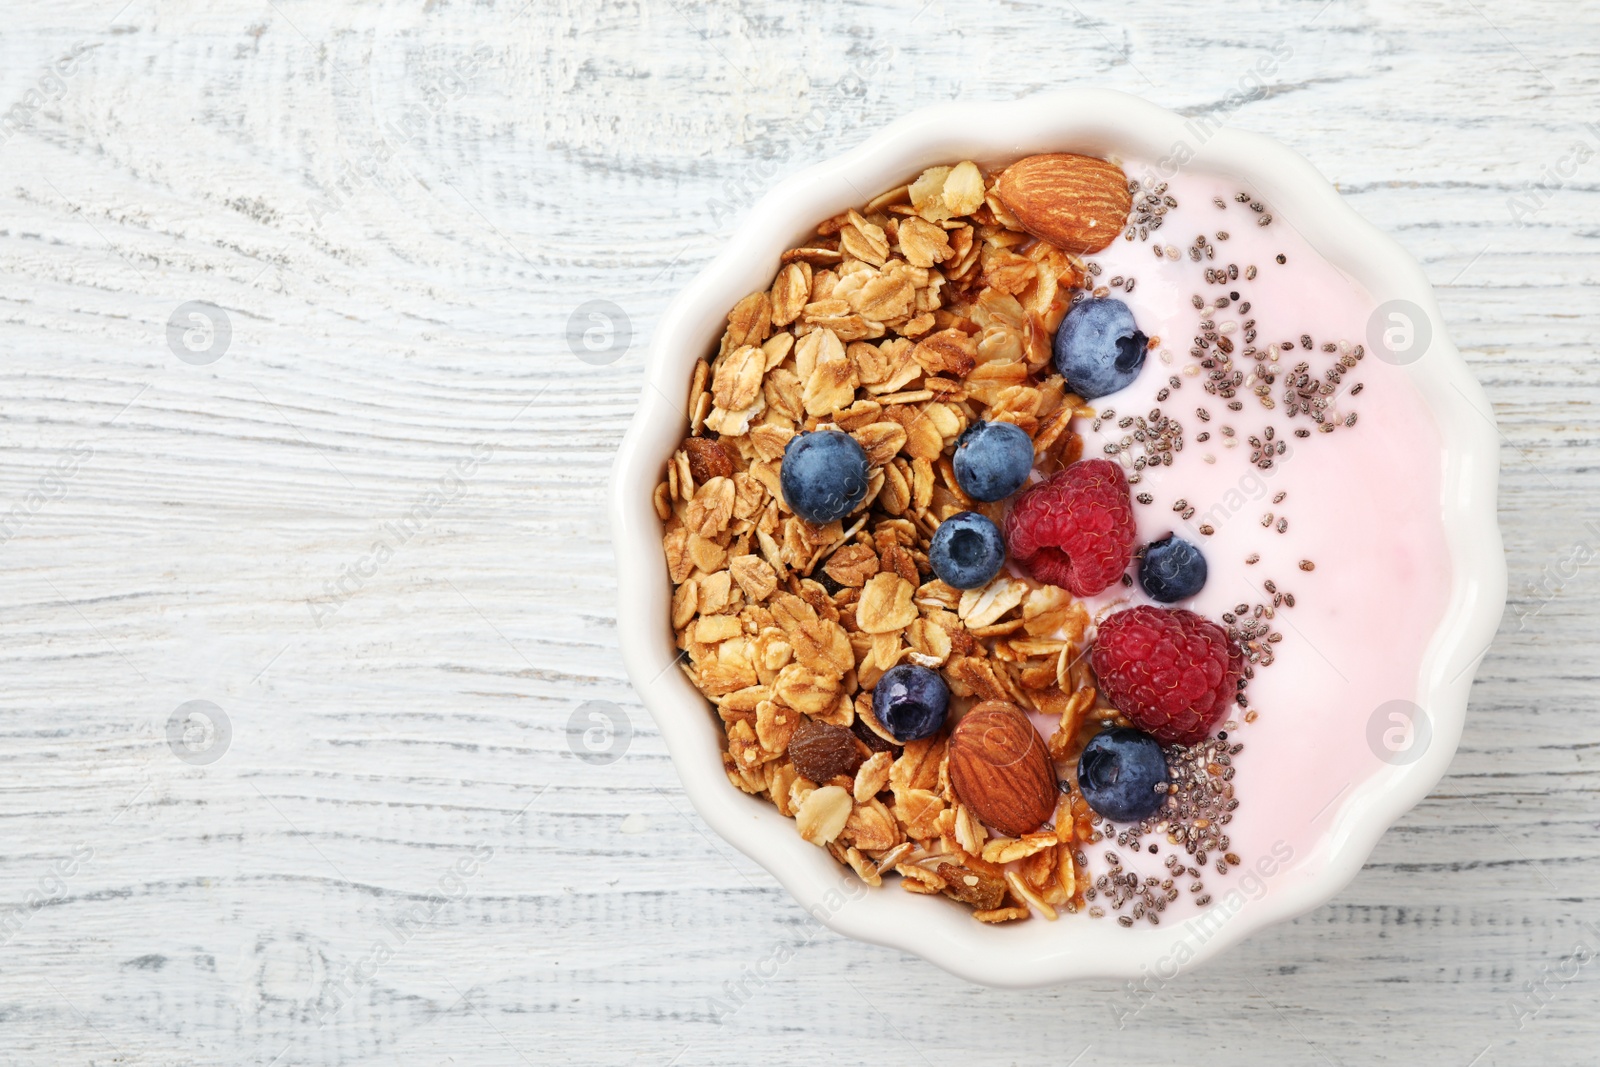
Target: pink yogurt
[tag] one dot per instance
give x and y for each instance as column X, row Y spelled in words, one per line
column 1362, row 505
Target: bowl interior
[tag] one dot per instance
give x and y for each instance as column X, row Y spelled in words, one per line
column 1093, row 122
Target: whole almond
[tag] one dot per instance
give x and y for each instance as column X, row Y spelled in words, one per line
column 1000, row 768
column 1077, row 203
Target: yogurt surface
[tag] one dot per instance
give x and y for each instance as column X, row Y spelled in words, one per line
column 1345, row 521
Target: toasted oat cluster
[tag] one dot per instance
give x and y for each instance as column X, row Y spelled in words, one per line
column 901, row 324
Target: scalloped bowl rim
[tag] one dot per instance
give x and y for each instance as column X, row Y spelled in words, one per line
column 1095, row 122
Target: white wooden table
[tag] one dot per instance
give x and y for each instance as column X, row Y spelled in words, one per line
column 399, row 208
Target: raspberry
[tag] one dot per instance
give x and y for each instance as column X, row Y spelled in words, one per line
column 1172, row 672
column 1074, row 529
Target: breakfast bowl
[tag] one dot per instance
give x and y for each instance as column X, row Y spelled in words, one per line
column 1401, row 595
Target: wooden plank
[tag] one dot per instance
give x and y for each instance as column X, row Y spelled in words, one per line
column 399, row 206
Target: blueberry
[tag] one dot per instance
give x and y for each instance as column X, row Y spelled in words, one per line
column 1099, row 348
column 1118, row 774
column 967, row 550
column 1172, row 570
column 824, row 475
column 992, row 460
column 910, row 702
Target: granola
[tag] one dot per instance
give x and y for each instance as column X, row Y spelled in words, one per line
column 901, row 323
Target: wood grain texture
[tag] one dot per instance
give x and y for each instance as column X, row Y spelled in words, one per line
column 399, row 205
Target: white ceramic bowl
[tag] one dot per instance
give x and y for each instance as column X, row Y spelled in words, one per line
column 1100, row 123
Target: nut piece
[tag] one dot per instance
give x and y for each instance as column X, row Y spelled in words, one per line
column 821, row 751
column 971, row 888
column 823, row 814
column 1000, row 768
column 1077, row 203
